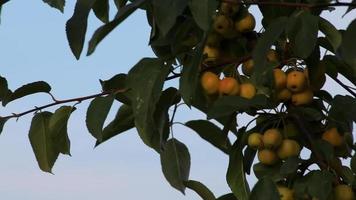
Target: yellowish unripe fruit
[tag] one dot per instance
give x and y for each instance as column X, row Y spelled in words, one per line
column 255, row 141
column 229, row 86
column 343, row 192
column 296, row 81
column 302, row 98
column 246, row 24
column 229, row 8
column 285, row 193
column 210, row 83
column 267, row 157
column 280, row 79
column 288, row 149
column 247, row 67
column 333, row 136
column 224, row 25
column 247, row 90
column 283, row 95
column 272, row 138
column 211, row 53
column 272, row 55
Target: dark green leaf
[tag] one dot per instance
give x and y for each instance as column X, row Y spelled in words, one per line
column 96, row 115
column 320, row 184
column 58, row 128
column 229, row 196
column 353, row 163
column 41, row 141
column 229, row 104
column 58, row 4
column 200, row 189
column 235, row 175
column 290, row 166
column 120, row 3
column 339, row 114
column 175, row 161
column 348, row 49
column 325, row 149
column 331, row 33
column 211, row 133
column 190, row 75
column 249, row 156
column 347, row 175
column 28, row 89
column 265, row 189
column 101, row 10
column 123, row 121
column 117, row 84
column 76, row 26
column 104, row 30
column 3, row 88
column 166, row 12
column 203, row 12
column 2, row 123
column 145, row 93
column 334, row 65
column 272, row 172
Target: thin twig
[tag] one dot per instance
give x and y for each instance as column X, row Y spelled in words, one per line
column 345, row 87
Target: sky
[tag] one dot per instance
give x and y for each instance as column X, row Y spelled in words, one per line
column 33, row 47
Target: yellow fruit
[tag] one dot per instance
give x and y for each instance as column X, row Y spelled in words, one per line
column 224, row 25
column 302, row 98
column 280, row 78
column 343, row 192
column 229, row 8
column 333, row 136
column 247, row 90
column 296, row 81
column 247, row 67
column 288, row 149
column 229, row 86
column 255, row 141
column 211, row 53
column 267, row 157
column 283, row 95
column 272, row 55
column 246, row 24
column 285, row 193
column 210, row 83
column 272, row 138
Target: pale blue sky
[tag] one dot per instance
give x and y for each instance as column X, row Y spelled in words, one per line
column 33, row 47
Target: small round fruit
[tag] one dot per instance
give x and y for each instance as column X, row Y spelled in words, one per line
column 247, row 90
column 210, row 83
column 333, row 136
column 343, row 192
column 272, row 138
column 288, row 149
column 272, row 55
column 229, row 86
column 211, row 53
column 213, row 39
column 283, row 95
column 229, row 8
column 246, row 24
column 247, row 67
column 296, row 81
column 267, row 157
column 302, row 98
column 285, row 193
column 255, row 141
column 280, row 78
column 223, row 24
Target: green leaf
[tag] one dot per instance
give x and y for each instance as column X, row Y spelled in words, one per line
column 58, row 128
column 203, row 12
column 96, row 115
column 101, row 10
column 190, row 75
column 353, row 163
column 3, row 88
column 120, row 3
column 338, row 113
column 166, row 13
column 320, row 184
column 265, row 189
column 331, row 33
column 145, row 93
column 347, row 175
column 200, row 189
column 211, row 133
column 325, row 149
column 272, row 172
column 41, row 141
column 28, row 89
column 227, row 105
column 76, row 26
column 2, row 123
column 58, row 4
column 249, row 156
column 235, row 175
column 175, row 161
column 229, row 196
column 347, row 49
column 104, row 30
column 262, row 74
column 290, row 166
column 334, row 65
column 123, row 121
column 117, row 84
